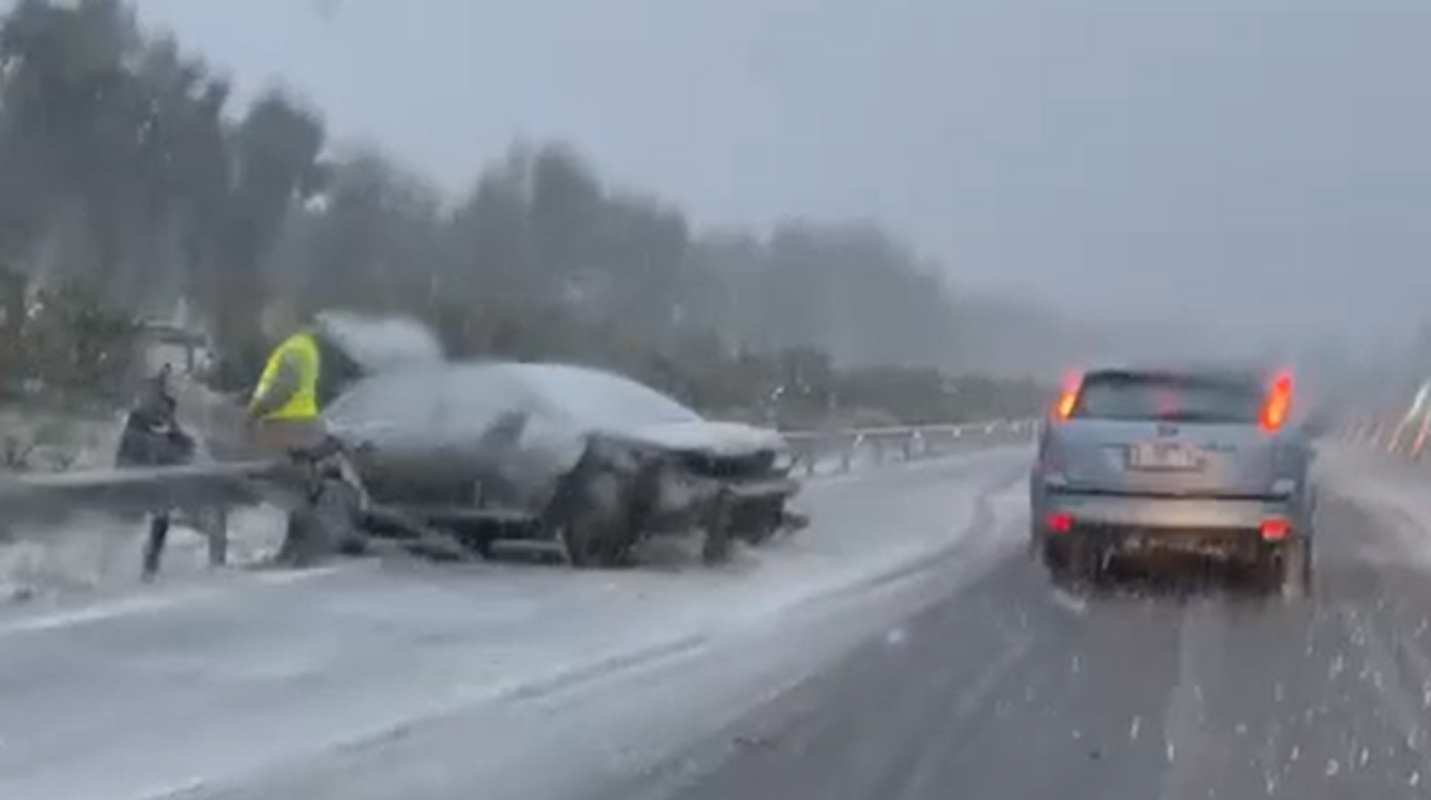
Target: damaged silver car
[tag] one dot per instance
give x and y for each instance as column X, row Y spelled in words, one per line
column 585, row 459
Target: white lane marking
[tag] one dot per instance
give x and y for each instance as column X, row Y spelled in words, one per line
column 286, row 576
column 189, row 788
column 100, row 612
column 158, row 601
column 1201, row 644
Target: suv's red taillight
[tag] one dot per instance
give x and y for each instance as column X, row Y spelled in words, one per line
column 1068, row 398
column 1278, row 404
column 1275, row 529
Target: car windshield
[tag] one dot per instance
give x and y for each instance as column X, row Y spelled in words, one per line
column 1171, row 398
column 597, row 398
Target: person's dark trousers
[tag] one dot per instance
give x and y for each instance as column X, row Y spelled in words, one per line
column 154, row 548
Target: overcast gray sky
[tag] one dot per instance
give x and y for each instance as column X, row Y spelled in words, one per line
column 1241, row 162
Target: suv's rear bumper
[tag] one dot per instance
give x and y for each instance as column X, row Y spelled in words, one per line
column 1228, row 528
column 1176, row 513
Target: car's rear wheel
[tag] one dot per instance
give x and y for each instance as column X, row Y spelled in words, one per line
column 1295, row 567
column 1286, row 567
column 1071, row 559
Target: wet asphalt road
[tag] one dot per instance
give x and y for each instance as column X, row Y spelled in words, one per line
column 1204, row 687
column 948, row 668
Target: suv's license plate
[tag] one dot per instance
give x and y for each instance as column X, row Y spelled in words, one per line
column 1163, row 455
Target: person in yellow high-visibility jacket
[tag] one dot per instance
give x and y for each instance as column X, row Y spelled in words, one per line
column 286, row 417
column 284, row 407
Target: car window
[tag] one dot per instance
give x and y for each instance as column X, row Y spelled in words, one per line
column 1168, row 398
column 598, row 398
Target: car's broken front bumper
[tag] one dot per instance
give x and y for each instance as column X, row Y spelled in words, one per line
column 755, row 503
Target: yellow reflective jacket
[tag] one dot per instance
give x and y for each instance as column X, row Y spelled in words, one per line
column 298, row 353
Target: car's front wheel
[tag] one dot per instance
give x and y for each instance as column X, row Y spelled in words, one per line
column 598, row 532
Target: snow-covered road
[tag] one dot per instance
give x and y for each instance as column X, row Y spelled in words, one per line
column 252, row 681
column 902, row 646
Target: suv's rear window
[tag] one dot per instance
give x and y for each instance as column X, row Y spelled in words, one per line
column 1179, row 398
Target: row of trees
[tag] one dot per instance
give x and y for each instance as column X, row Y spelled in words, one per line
column 128, row 172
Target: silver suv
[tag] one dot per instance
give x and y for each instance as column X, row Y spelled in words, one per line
column 1148, row 462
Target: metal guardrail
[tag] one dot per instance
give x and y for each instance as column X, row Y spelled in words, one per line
column 844, row 447
column 1407, row 436
column 51, row 499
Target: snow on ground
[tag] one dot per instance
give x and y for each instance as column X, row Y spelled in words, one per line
column 220, row 677
column 96, row 553
column 103, row 554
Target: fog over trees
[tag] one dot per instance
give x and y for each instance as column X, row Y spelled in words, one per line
column 131, row 179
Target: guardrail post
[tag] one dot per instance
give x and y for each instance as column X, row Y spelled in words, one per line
column 848, row 456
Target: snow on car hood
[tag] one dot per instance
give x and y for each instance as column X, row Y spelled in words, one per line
column 716, row 438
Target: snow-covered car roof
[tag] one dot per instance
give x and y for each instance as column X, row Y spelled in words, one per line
column 437, row 402
column 590, row 395
column 445, row 396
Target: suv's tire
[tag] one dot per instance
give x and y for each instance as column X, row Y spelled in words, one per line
column 1070, row 559
column 1295, row 567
